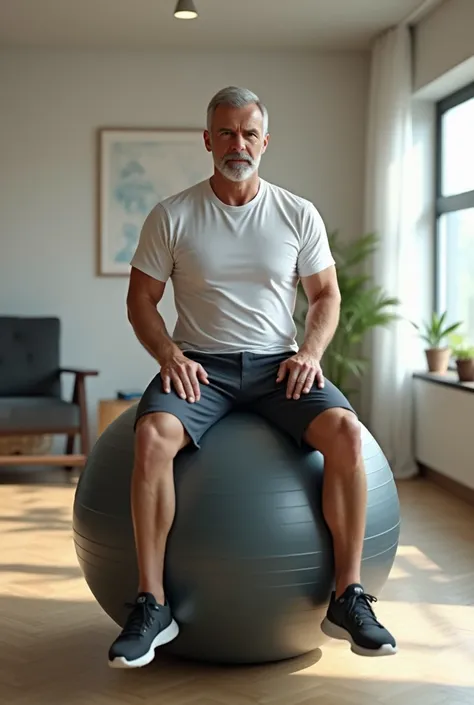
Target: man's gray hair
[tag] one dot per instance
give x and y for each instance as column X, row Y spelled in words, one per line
column 238, row 98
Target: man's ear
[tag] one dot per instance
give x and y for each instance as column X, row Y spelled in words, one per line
column 207, row 140
column 266, row 140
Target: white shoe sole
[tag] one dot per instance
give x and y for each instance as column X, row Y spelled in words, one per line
column 164, row 637
column 335, row 632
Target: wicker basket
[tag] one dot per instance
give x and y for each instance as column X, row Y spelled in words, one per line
column 25, row 445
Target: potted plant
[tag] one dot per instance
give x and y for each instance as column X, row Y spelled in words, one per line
column 463, row 354
column 364, row 306
column 434, row 333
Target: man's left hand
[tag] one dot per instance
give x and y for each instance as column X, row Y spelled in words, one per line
column 303, row 370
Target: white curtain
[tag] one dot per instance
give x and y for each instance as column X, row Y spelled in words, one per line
column 391, row 189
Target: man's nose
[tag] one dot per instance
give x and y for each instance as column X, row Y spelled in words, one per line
column 238, row 143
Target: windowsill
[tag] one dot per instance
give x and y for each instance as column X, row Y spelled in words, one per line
column 450, row 379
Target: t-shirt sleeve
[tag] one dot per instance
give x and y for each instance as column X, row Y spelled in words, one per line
column 153, row 254
column 315, row 253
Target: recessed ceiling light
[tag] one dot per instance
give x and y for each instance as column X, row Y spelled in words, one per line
column 185, row 10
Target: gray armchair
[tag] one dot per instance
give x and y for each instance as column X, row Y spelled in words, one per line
column 31, row 400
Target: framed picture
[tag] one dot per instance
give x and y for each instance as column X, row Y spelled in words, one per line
column 137, row 169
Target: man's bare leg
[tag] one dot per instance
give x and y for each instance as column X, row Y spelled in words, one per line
column 159, row 437
column 336, row 434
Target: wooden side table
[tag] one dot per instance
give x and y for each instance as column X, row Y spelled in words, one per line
column 110, row 409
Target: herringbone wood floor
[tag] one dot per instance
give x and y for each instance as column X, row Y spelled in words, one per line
column 54, row 637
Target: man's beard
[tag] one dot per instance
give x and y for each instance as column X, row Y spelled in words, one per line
column 237, row 170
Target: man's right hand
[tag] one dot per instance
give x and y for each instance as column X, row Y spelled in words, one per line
column 184, row 374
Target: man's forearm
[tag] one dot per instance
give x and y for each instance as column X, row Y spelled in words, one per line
column 150, row 330
column 321, row 323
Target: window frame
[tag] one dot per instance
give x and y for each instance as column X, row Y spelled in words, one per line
column 446, row 204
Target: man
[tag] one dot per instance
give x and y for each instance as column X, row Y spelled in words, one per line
column 235, row 247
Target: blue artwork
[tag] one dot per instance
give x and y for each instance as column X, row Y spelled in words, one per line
column 139, row 168
column 130, row 236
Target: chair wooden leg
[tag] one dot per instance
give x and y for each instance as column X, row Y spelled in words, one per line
column 70, row 448
column 71, row 437
column 84, row 426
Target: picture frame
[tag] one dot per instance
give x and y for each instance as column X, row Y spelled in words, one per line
column 138, row 168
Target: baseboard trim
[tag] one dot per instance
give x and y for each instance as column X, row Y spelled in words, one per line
column 447, row 483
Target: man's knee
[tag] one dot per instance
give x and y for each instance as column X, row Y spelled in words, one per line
column 348, row 436
column 158, row 437
column 336, row 434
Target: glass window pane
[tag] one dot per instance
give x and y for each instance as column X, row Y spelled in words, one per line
column 457, row 149
column 456, row 268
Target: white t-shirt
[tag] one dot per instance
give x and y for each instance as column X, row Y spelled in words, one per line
column 234, row 269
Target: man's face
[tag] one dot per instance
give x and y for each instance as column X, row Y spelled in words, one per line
column 236, row 141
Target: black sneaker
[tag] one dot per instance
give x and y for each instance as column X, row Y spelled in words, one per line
column 148, row 625
column 351, row 618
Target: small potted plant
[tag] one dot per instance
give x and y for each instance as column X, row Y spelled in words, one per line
column 434, row 333
column 463, row 354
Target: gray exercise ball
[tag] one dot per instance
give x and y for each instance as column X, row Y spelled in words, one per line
column 249, row 562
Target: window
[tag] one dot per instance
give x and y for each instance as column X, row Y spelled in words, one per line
column 454, row 277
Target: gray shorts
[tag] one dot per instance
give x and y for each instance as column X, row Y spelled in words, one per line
column 243, row 381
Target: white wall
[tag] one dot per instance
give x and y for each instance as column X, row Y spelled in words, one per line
column 53, row 102
column 444, row 49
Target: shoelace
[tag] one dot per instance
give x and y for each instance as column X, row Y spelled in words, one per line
column 141, row 618
column 360, row 609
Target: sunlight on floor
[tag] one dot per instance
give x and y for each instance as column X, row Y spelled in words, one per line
column 416, row 558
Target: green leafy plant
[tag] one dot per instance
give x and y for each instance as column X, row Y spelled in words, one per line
column 364, row 306
column 435, row 331
column 463, row 354
column 461, row 350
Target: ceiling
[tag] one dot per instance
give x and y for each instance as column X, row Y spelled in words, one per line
column 222, row 24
